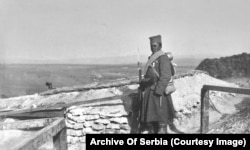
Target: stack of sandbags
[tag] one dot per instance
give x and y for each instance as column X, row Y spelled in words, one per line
column 96, row 118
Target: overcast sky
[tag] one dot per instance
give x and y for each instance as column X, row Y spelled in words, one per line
column 66, row 29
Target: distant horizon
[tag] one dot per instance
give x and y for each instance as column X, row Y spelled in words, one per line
column 119, row 60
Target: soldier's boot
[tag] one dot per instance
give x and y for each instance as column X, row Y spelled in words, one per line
column 148, row 129
column 173, row 128
column 155, row 127
column 162, row 128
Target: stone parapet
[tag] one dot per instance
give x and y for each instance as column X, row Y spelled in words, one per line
column 96, row 118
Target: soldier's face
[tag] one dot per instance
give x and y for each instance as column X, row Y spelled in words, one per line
column 155, row 47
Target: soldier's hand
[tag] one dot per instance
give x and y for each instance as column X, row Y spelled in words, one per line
column 141, row 88
column 156, row 94
column 142, row 83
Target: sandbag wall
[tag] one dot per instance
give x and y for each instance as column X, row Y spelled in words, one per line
column 96, row 118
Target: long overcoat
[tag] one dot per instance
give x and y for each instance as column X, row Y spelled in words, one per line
column 156, row 105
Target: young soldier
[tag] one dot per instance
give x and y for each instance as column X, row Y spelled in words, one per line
column 156, row 107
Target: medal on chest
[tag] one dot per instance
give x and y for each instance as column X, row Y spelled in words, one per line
column 154, row 63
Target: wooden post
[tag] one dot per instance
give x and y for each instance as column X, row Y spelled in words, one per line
column 204, row 110
column 60, row 140
column 228, row 89
column 205, row 101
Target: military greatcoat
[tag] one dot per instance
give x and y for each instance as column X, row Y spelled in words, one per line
column 154, row 109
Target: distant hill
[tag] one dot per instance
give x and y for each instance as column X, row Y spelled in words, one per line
column 232, row 66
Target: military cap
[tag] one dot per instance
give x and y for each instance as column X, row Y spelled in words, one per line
column 154, row 39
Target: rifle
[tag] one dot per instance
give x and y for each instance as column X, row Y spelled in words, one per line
column 139, row 96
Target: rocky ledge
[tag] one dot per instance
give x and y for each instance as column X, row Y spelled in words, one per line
column 224, row 67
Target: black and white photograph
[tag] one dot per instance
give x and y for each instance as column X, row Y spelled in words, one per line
column 73, row 68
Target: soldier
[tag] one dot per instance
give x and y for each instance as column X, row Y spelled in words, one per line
column 157, row 107
column 49, row 85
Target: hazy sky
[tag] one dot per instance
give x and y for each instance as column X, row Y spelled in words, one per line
column 62, row 29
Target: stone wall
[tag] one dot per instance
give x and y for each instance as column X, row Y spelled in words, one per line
column 96, row 118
